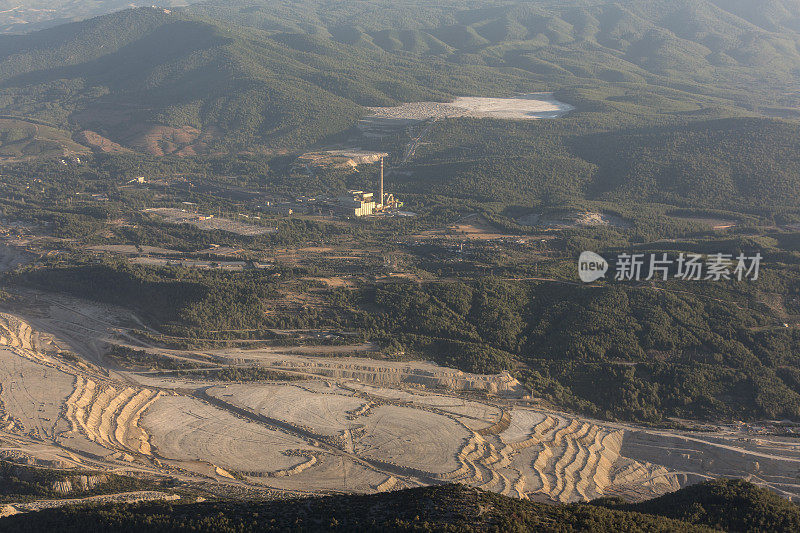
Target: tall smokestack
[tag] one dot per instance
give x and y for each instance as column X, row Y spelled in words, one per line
column 380, row 186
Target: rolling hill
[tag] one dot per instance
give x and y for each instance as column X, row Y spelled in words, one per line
column 721, row 44
column 163, row 82
column 250, row 75
column 24, row 16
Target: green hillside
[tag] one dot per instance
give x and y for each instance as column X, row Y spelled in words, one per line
column 161, row 82
column 282, row 75
column 25, row 16
column 720, row 48
column 21, row 140
column 739, row 164
column 727, row 505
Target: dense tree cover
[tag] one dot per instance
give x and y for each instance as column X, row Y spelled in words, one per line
column 238, row 86
column 688, row 46
column 240, row 374
column 615, row 351
column 738, row 163
column 241, row 75
column 179, row 300
column 743, row 165
column 38, row 14
column 19, row 483
column 731, row 505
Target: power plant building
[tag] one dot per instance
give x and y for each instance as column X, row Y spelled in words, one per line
column 357, row 203
column 360, row 203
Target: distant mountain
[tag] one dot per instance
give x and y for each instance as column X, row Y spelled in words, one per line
column 240, row 75
column 170, row 83
column 729, row 505
column 726, row 44
column 23, row 16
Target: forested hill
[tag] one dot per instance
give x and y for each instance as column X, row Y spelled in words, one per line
column 242, row 75
column 154, row 80
column 712, row 47
column 25, row 16
column 718, row 505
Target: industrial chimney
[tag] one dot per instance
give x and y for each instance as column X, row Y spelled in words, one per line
column 380, row 186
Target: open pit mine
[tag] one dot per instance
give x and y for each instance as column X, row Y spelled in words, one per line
column 341, row 424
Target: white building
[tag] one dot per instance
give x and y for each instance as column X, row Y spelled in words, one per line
column 357, row 203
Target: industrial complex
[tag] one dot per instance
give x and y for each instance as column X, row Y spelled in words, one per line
column 360, row 203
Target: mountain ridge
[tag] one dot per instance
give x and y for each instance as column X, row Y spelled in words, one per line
column 244, row 76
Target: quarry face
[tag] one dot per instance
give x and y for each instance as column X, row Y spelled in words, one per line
column 340, row 424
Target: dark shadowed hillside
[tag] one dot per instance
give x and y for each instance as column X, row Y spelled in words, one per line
column 443, row 508
column 730, row 505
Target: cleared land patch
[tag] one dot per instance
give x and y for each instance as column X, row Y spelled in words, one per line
column 411, row 437
column 525, row 106
column 384, row 120
column 31, row 395
column 324, row 414
column 186, row 429
column 586, row 219
column 208, row 222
